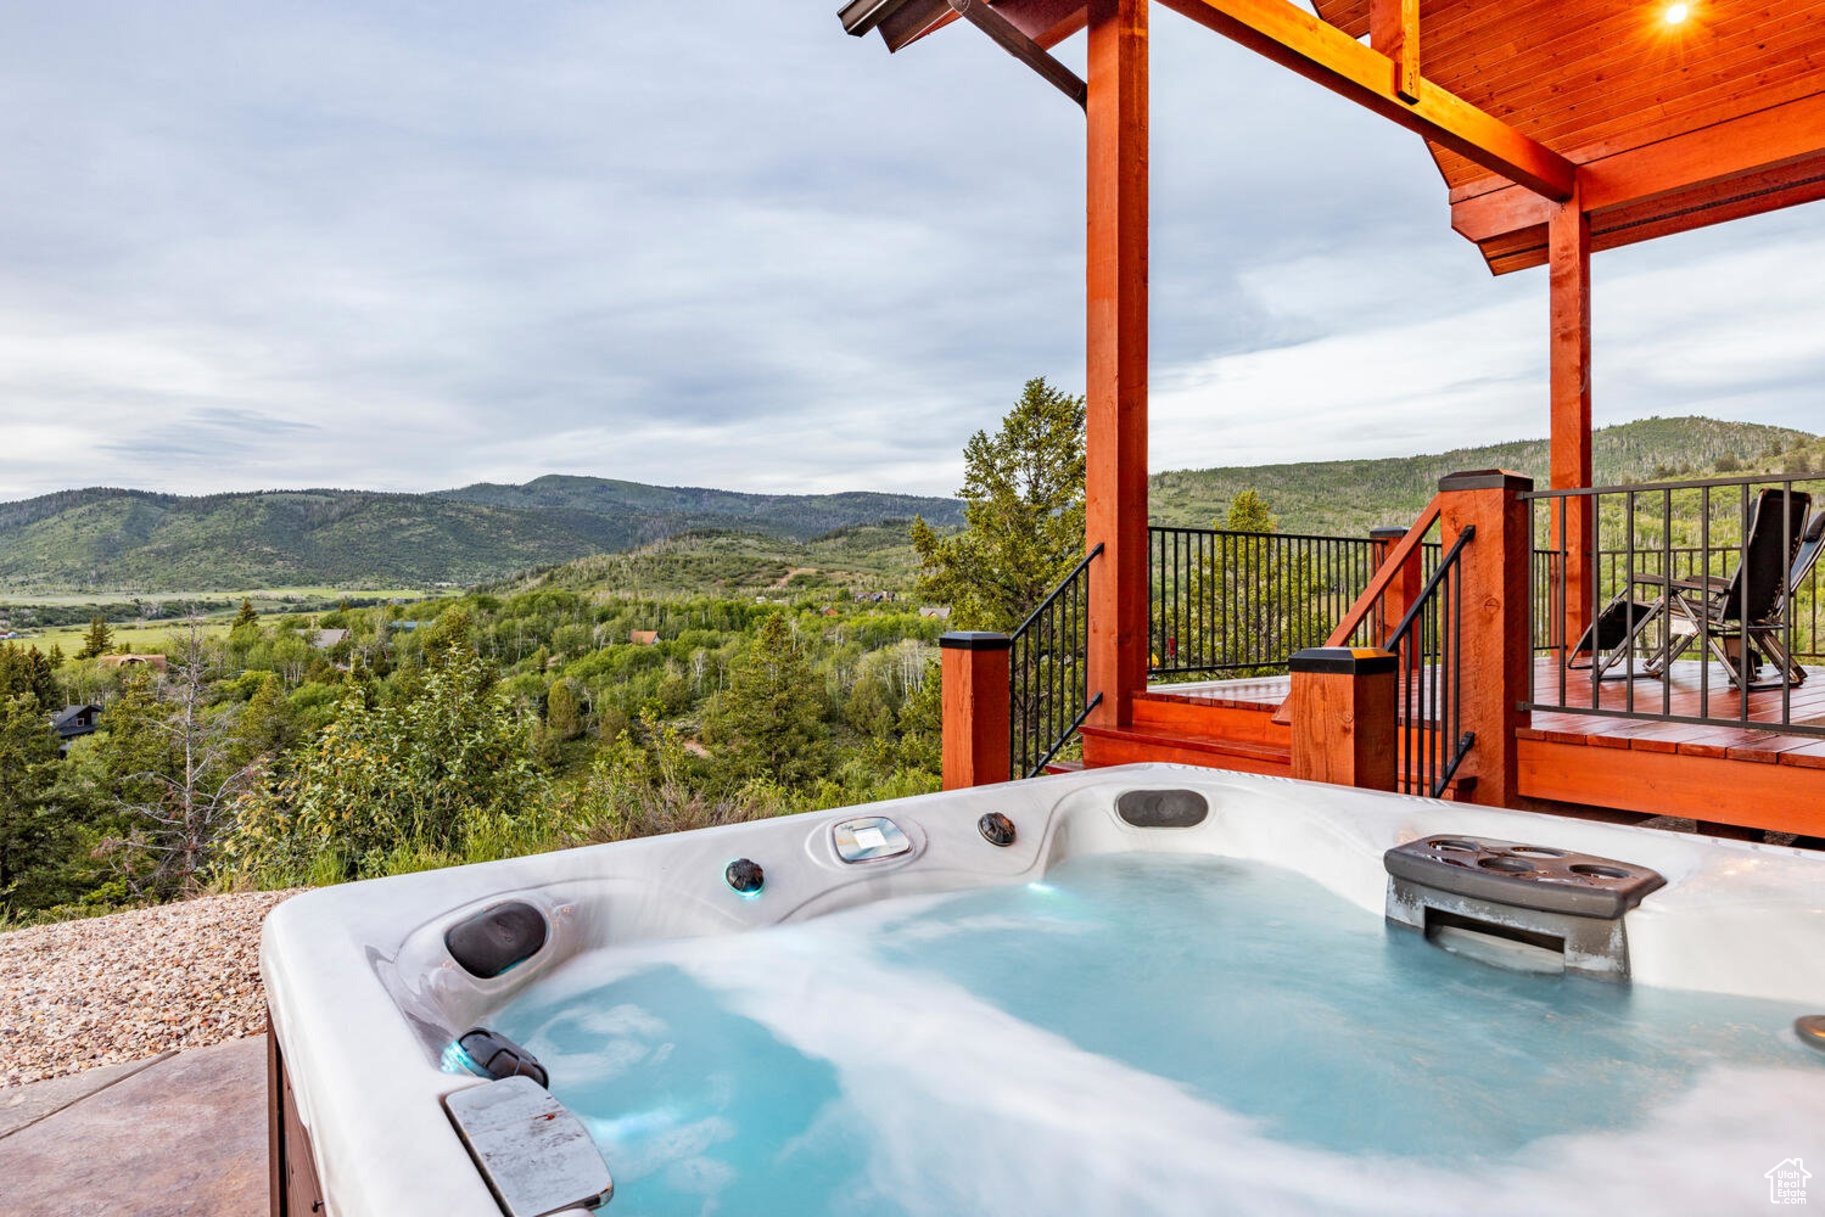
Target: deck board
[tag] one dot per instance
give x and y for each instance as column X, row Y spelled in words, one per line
column 1692, row 685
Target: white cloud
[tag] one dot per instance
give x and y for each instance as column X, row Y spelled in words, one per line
column 415, row 246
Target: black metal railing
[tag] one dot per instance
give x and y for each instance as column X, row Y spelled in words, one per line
column 1428, row 645
column 1048, row 693
column 1658, row 543
column 1226, row 603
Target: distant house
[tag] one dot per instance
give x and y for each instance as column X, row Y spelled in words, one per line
column 72, row 721
column 644, row 638
column 132, row 661
column 323, row 640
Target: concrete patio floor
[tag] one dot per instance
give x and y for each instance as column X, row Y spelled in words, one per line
column 180, row 1133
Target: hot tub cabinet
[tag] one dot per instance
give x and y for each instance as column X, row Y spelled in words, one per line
column 370, row 986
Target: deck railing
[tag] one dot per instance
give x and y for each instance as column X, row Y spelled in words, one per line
column 1048, row 694
column 1228, row 604
column 1646, row 538
column 1428, row 646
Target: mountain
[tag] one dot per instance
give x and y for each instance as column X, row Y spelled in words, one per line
column 863, row 557
column 1347, row 498
column 132, row 539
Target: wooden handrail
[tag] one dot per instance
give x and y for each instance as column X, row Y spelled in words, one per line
column 1372, row 594
column 1378, row 586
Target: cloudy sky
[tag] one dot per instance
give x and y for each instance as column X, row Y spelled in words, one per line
column 413, row 245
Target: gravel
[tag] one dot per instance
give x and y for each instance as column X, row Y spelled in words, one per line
column 79, row 994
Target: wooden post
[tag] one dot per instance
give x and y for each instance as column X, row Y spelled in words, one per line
column 1569, row 241
column 1116, row 377
column 1496, row 653
column 1404, row 591
column 1345, row 722
column 975, row 700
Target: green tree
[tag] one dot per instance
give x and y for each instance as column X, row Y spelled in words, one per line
column 29, row 824
column 97, row 640
column 1023, row 510
column 563, row 713
column 769, row 722
column 25, row 671
column 416, row 779
column 247, row 616
column 1248, row 512
column 268, row 725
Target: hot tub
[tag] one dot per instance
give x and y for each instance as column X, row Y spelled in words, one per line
column 1147, row 989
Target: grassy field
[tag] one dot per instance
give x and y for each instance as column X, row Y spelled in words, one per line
column 150, row 636
column 259, row 595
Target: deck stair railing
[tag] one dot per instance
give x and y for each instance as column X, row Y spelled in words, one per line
column 1642, row 537
column 1428, row 646
column 1048, row 693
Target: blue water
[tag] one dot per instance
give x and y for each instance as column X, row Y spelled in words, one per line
column 1128, row 1036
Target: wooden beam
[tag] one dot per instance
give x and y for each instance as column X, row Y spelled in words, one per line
column 1115, row 479
column 1570, row 362
column 1744, row 166
column 1323, row 53
column 1009, row 37
column 1394, row 32
column 1047, row 22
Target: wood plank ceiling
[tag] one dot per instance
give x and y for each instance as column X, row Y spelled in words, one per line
column 1594, row 78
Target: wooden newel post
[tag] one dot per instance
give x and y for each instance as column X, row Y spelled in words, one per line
column 1401, row 593
column 975, row 698
column 1495, row 594
column 1344, row 716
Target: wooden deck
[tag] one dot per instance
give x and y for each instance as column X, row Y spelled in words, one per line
column 1747, row 775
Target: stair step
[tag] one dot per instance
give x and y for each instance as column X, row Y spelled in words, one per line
column 1219, row 720
column 1121, row 745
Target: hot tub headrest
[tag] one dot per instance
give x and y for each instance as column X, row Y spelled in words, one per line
column 496, row 938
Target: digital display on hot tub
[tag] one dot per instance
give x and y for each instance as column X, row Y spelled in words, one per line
column 1141, row 1033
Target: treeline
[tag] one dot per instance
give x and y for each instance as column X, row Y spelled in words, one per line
column 368, row 741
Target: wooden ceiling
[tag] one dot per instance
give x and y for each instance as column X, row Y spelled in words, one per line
column 1595, row 79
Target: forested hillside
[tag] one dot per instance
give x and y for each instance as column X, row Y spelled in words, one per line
column 1346, row 498
column 136, row 539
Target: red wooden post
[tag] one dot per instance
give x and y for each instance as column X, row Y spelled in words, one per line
column 1116, row 423
column 1496, row 653
column 1404, row 591
column 1569, row 239
column 1344, row 716
column 975, row 700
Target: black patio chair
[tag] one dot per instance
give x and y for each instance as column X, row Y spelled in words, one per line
column 1709, row 606
column 1742, row 619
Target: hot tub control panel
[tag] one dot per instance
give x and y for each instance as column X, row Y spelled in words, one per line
column 869, row 839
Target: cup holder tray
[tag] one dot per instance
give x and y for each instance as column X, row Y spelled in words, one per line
column 1523, row 876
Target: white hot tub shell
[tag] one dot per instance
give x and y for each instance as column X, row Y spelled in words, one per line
column 364, row 995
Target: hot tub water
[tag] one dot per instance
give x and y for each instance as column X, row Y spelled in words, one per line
column 1150, row 1033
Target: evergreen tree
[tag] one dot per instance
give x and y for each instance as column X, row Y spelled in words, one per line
column 1023, row 507
column 29, row 825
column 24, row 671
column 769, row 722
column 563, row 714
column 1248, row 513
column 247, row 616
column 97, row 640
